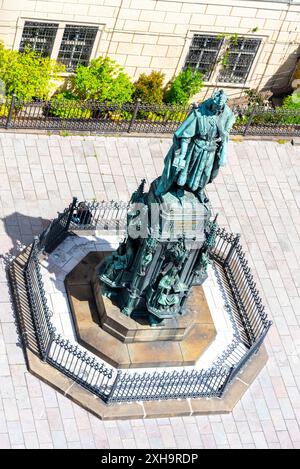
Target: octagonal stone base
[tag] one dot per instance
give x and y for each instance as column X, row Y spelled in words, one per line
column 125, row 343
column 138, row 329
column 134, row 410
column 149, row 409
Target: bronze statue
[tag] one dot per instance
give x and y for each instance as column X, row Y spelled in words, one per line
column 154, row 269
column 199, row 147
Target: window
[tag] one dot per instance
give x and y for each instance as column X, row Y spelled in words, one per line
column 203, row 54
column 76, row 45
column 39, row 37
column 240, row 59
column 206, row 51
column 70, row 44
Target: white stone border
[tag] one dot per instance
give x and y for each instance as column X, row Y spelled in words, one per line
column 73, row 249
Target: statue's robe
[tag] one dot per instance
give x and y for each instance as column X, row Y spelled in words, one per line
column 202, row 139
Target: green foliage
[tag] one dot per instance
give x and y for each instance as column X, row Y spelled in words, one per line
column 230, row 41
column 165, row 116
column 149, row 88
column 27, row 74
column 104, row 81
column 257, row 98
column 4, row 109
column 281, row 115
column 67, row 106
column 65, row 133
column 233, row 40
column 290, row 103
column 184, row 86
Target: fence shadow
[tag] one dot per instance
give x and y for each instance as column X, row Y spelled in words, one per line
column 21, row 229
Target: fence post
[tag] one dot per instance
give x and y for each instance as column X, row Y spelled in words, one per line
column 135, row 111
column 253, row 112
column 113, row 387
column 232, row 249
column 227, row 380
column 72, row 206
column 46, row 354
column 35, row 240
column 10, row 112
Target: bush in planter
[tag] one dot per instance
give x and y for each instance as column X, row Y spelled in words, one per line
column 4, row 109
column 184, row 86
column 103, row 81
column 149, row 88
column 68, row 106
column 258, row 98
column 27, row 74
column 290, row 103
column 281, row 115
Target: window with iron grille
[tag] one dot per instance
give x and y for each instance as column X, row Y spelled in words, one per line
column 39, row 37
column 203, row 54
column 76, row 45
column 241, row 55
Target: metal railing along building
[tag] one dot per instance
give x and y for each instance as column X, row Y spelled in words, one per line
column 104, row 118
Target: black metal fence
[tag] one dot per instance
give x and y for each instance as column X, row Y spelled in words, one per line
column 241, row 300
column 91, row 116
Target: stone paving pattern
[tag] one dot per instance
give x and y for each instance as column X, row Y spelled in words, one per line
column 256, row 194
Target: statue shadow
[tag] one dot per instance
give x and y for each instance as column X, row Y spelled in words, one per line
column 21, row 230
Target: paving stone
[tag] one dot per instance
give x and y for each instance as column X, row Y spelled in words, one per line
column 31, row 440
column 70, row 429
column 4, row 441
column 257, row 193
column 43, row 431
column 59, row 439
column 15, row 433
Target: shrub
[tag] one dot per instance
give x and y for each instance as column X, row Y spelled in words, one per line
column 104, row 81
column 149, row 88
column 4, row 109
column 256, row 97
column 27, row 74
column 290, row 103
column 184, row 86
column 67, row 106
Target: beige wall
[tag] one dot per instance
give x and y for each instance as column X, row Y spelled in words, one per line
column 143, row 35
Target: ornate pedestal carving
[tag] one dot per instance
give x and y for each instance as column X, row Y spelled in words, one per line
column 128, row 343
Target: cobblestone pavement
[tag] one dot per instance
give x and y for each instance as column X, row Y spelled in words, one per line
column 256, row 194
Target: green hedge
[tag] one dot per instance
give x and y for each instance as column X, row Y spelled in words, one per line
column 66, row 106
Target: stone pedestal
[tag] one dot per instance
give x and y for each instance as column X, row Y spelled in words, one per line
column 125, row 342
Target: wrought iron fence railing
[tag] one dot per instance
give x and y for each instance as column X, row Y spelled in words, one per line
column 91, row 116
column 241, row 298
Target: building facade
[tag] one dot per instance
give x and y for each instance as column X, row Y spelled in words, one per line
column 236, row 44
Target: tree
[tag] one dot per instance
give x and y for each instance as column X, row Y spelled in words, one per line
column 149, row 88
column 184, row 86
column 27, row 74
column 103, row 80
